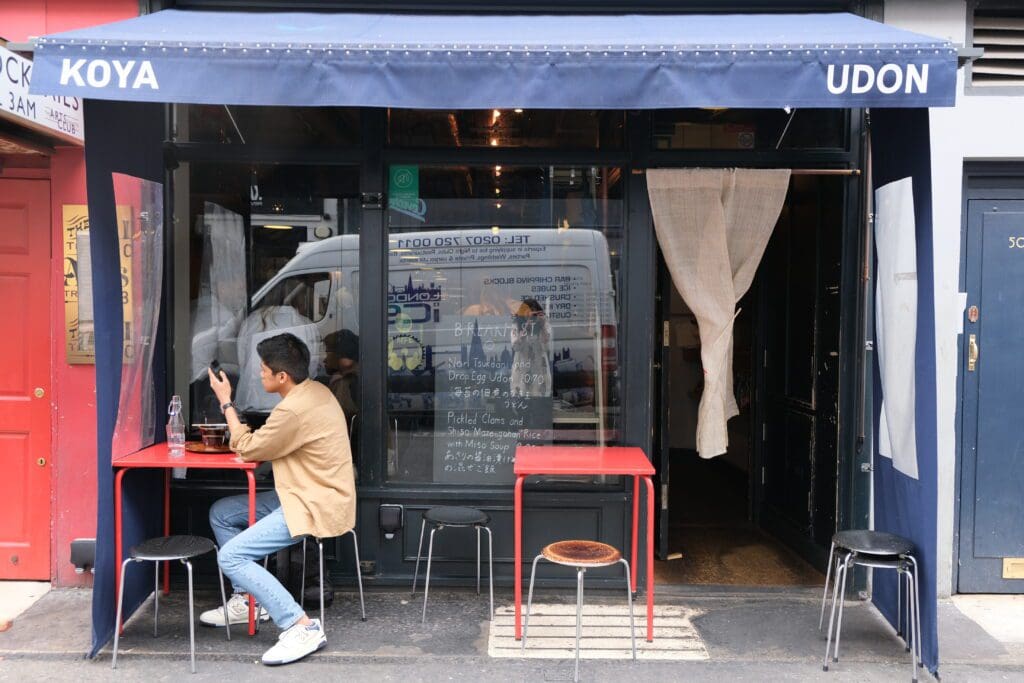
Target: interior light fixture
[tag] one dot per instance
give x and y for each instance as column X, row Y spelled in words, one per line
column 495, row 115
column 518, row 111
column 498, row 205
column 277, row 227
column 497, row 190
column 495, row 229
column 494, row 142
column 497, row 168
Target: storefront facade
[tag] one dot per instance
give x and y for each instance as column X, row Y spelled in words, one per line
column 48, row 406
column 481, row 270
column 478, row 220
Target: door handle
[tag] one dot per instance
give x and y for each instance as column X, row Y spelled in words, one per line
column 972, row 352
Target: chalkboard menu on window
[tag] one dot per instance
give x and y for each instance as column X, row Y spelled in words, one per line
column 491, row 395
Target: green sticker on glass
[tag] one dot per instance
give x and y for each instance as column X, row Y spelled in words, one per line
column 404, row 191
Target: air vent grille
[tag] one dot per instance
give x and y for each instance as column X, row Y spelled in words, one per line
column 1001, row 34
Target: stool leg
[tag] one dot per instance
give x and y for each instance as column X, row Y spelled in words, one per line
column 323, row 621
column 904, row 603
column 832, row 616
column 478, row 560
column 917, row 606
column 156, row 596
column 916, row 599
column 912, row 627
column 192, row 617
column 579, row 620
column 629, row 601
column 490, row 569
column 426, row 581
column 223, row 595
column 359, row 572
column 842, row 594
column 302, row 581
column 120, row 605
column 255, row 608
column 419, row 552
column 529, row 601
column 828, row 576
column 899, row 610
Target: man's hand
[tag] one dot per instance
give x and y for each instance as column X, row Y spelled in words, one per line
column 221, row 386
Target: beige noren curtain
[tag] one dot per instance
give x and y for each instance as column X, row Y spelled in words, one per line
column 713, row 226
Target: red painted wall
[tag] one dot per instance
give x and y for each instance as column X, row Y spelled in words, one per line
column 73, row 393
column 22, row 19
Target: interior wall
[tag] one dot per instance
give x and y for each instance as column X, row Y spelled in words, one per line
column 685, row 374
column 686, row 380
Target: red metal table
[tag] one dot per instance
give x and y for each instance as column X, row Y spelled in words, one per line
column 587, row 460
column 157, row 457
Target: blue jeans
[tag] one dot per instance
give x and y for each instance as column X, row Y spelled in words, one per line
column 243, row 547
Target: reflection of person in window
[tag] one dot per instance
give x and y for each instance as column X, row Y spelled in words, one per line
column 531, row 360
column 493, row 302
column 271, row 318
column 342, row 365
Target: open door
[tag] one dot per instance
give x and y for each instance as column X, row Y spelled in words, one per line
column 796, row 461
column 663, row 436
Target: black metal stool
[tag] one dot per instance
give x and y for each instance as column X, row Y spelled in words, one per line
column 359, row 574
column 441, row 517
column 581, row 555
column 877, row 550
column 165, row 549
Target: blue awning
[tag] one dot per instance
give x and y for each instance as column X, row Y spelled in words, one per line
column 483, row 61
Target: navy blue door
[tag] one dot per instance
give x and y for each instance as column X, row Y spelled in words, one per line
column 992, row 467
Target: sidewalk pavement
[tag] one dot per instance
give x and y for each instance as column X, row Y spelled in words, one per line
column 18, row 596
column 756, row 635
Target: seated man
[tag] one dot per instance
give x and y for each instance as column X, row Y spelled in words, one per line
column 306, row 439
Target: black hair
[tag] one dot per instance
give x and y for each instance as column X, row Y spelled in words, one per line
column 285, row 353
column 531, row 304
column 344, row 343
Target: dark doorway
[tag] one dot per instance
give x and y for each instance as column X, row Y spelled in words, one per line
column 762, row 513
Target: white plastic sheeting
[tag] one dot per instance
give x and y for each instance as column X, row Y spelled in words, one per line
column 896, row 321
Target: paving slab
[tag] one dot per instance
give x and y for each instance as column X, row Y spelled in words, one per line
column 18, row 596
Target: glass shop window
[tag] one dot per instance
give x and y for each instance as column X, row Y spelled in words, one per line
column 271, row 249
column 279, row 126
column 750, row 129
column 502, row 316
column 537, row 128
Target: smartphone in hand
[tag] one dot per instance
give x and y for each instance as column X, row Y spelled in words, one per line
column 215, row 368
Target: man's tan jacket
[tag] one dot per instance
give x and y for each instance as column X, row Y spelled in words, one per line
column 306, row 437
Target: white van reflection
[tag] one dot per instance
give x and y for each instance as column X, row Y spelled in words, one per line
column 535, row 306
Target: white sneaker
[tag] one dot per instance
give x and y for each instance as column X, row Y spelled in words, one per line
column 295, row 643
column 238, row 611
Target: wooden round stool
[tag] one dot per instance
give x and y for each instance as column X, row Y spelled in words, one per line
column 582, row 555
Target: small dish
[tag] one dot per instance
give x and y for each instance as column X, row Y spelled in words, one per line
column 200, row 447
